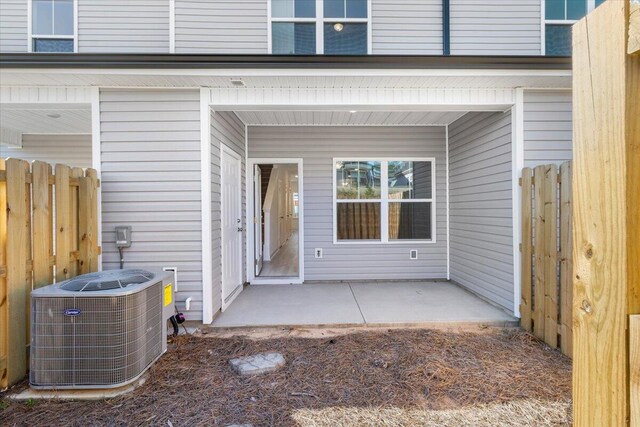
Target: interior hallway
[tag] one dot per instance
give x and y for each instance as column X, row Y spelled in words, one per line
column 285, row 262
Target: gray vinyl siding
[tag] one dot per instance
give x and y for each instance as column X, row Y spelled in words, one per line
column 13, row 26
column 481, row 229
column 150, row 150
column 406, row 27
column 317, row 146
column 132, row 26
column 227, row 129
column 71, row 150
column 495, row 27
column 547, row 127
column 221, row 26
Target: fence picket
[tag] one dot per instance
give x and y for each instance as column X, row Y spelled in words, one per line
column 17, row 235
column 527, row 294
column 538, row 306
column 42, row 224
column 88, row 222
column 63, row 222
column 4, row 315
column 551, row 255
column 76, row 173
column 566, row 260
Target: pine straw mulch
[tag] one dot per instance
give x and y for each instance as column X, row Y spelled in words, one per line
column 380, row 378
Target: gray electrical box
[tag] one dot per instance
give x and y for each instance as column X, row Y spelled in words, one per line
column 123, row 236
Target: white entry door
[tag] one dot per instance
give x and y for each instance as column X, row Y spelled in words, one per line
column 232, row 231
column 257, row 218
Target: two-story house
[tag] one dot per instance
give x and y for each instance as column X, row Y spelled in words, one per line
column 286, row 141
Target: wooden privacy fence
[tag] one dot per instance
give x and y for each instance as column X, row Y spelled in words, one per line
column 547, row 260
column 48, row 230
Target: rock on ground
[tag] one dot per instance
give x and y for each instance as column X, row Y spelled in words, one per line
column 257, row 364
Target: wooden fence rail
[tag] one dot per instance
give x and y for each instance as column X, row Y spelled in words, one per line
column 547, row 248
column 48, row 229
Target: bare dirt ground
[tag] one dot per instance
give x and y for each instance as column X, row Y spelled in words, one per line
column 401, row 377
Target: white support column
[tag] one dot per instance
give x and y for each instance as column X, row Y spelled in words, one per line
column 446, row 130
column 96, row 157
column 172, row 26
column 205, row 197
column 517, row 152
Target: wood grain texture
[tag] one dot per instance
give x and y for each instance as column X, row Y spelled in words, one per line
column 539, row 230
column 605, row 213
column 633, row 48
column 551, row 256
column 634, row 363
column 18, row 235
column 566, row 260
column 4, row 326
column 63, row 221
column 526, row 302
column 42, row 224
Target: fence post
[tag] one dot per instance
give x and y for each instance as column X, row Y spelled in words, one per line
column 566, row 260
column 18, row 235
column 634, row 364
column 88, row 222
column 42, row 224
column 551, row 255
column 538, row 307
column 63, row 222
column 527, row 294
column 4, row 314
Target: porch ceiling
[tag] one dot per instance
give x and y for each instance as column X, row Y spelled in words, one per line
column 46, row 118
column 346, row 118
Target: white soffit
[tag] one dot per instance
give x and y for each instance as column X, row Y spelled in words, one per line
column 47, row 118
column 346, row 118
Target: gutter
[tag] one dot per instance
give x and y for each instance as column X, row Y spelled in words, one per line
column 187, row 61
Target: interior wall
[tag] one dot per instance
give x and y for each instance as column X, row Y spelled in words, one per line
column 71, row 150
column 481, row 228
column 317, row 146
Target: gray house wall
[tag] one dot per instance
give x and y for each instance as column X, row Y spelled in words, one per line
column 411, row 27
column 222, row 26
column 72, row 150
column 227, row 129
column 317, row 146
column 133, row 26
column 547, row 127
column 13, row 26
column 495, row 27
column 151, row 180
column 481, row 229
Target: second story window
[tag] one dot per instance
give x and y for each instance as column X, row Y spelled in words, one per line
column 559, row 16
column 52, row 25
column 332, row 27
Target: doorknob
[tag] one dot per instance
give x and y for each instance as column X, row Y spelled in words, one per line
column 240, row 229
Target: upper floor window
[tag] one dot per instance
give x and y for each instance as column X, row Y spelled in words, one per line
column 559, row 16
column 52, row 25
column 332, row 27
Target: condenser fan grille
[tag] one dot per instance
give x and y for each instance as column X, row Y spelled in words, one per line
column 106, row 280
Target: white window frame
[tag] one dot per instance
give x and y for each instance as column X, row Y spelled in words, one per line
column 384, row 200
column 319, row 20
column 591, row 5
column 32, row 36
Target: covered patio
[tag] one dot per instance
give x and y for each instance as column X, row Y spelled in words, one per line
column 361, row 303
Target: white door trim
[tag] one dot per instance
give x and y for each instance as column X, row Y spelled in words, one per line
column 234, row 294
column 251, row 277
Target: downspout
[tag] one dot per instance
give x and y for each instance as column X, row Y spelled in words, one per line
column 446, row 28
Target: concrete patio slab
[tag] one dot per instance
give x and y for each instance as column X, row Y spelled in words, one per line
column 423, row 302
column 292, row 305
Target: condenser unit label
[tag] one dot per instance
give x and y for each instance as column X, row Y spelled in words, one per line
column 71, row 312
column 168, row 294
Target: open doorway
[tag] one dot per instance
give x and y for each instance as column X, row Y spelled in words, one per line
column 276, row 207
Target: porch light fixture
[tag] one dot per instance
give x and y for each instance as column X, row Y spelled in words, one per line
column 338, row 27
column 238, row 83
column 54, row 115
column 353, row 111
